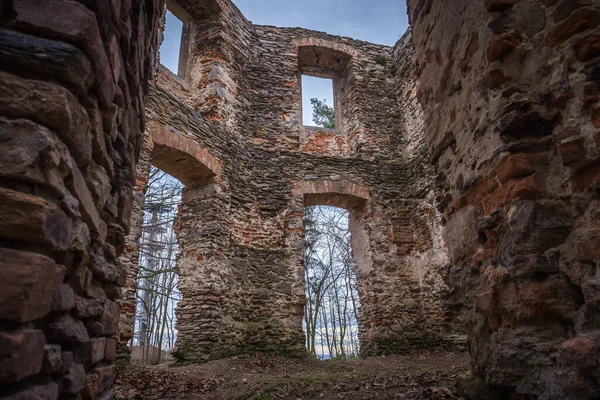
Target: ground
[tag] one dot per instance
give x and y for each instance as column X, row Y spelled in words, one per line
column 429, row 375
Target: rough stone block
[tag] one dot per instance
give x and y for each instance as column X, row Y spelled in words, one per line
column 87, row 207
column 578, row 22
column 105, row 270
column 38, row 392
column 91, row 352
column 108, row 323
column 61, row 61
column 74, row 381
column 106, row 377
column 88, row 308
column 96, row 292
column 32, row 219
column 52, row 359
column 32, row 153
column 520, row 165
column 498, row 5
column 74, row 23
column 588, row 48
column 100, row 381
column 50, row 105
column 64, row 299
column 586, row 176
column 531, row 188
column 28, row 282
column 572, row 151
column 21, row 354
column 533, row 228
column 66, row 358
column 502, row 46
column 66, row 329
column 461, row 234
column 111, row 350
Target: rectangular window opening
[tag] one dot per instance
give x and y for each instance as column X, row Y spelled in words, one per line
column 174, row 47
column 318, row 101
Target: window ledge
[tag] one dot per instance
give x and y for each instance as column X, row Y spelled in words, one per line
column 310, row 128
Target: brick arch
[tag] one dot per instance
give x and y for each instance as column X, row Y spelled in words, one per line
column 327, row 44
column 322, row 57
column 181, row 157
column 342, row 194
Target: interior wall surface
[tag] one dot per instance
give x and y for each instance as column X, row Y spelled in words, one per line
column 73, row 82
column 241, row 236
column 510, row 91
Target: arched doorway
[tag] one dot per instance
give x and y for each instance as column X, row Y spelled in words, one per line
column 171, row 164
column 336, row 249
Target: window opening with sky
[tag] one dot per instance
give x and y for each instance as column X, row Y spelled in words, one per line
column 170, row 48
column 317, row 102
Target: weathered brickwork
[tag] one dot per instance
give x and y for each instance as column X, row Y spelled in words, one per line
column 510, row 95
column 240, row 230
column 467, row 155
column 73, row 82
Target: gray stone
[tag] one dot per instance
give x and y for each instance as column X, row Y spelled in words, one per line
column 66, row 329
column 21, row 354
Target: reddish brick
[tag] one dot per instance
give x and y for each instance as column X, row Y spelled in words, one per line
column 560, row 102
column 28, row 282
column 484, row 187
column 566, row 7
column 531, row 187
column 502, row 46
column 553, row 297
column 586, row 176
column 21, row 354
column 519, row 165
column 588, row 48
column 496, row 78
column 572, row 151
column 484, row 301
column 596, row 117
column 576, row 23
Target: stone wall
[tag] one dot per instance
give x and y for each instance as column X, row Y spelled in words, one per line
column 510, row 93
column 73, row 78
column 240, row 232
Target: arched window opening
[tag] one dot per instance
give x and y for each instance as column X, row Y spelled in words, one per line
column 332, row 301
column 157, row 289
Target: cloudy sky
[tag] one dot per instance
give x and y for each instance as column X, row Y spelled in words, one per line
column 376, row 21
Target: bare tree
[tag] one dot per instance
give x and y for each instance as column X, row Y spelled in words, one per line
column 157, row 293
column 332, row 304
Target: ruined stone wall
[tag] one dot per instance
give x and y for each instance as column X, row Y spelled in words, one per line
column 73, row 78
column 510, row 93
column 240, row 231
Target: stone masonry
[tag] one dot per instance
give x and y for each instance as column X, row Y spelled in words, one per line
column 468, row 156
column 240, row 228
column 73, row 85
column 510, row 91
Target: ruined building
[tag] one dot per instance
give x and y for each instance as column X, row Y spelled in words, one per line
column 468, row 156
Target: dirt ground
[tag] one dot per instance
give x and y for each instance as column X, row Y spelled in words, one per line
column 428, row 375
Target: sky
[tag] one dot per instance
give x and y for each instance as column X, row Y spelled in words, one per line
column 375, row 21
